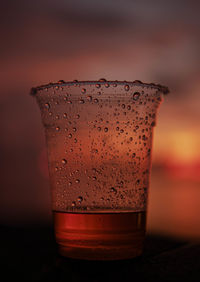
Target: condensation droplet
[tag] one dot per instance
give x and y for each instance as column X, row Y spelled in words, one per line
column 102, row 80
column 57, row 128
column 56, row 168
column 113, row 190
column 64, row 161
column 83, row 90
column 126, row 87
column 153, row 123
column 123, row 106
column 106, row 129
column 77, row 180
column 74, row 129
column 94, row 178
column 77, row 116
column 89, row 98
column 136, row 96
column 144, row 137
column 96, row 100
column 133, row 155
column 121, row 130
column 73, row 204
column 107, row 85
column 81, row 101
column 70, row 135
column 117, row 128
column 99, row 128
column 47, row 106
column 98, row 85
column 80, row 199
column 69, row 183
column 57, row 117
column 65, row 115
column 129, row 107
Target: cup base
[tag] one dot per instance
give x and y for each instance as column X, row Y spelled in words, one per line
column 100, row 236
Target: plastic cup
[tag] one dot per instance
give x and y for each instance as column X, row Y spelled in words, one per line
column 99, row 142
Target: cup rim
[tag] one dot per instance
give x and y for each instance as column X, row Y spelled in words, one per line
column 61, row 83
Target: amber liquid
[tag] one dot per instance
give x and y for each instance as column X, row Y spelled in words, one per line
column 100, row 236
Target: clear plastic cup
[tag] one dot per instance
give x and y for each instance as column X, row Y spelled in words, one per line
column 99, row 142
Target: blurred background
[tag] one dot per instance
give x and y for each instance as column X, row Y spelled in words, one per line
column 153, row 41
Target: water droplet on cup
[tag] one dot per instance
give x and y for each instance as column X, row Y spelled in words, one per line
column 136, row 96
column 83, row 90
column 98, row 85
column 126, row 87
column 64, row 161
column 80, row 199
column 47, row 106
column 106, row 129
column 57, row 128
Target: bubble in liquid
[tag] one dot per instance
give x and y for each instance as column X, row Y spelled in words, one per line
column 80, row 199
column 106, row 129
column 98, row 85
column 57, row 128
column 126, row 87
column 65, row 115
column 47, row 106
column 64, row 161
column 136, row 96
column 83, row 90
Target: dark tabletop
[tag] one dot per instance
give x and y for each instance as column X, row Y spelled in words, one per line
column 29, row 254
